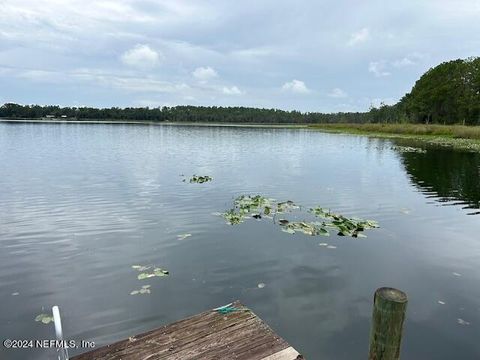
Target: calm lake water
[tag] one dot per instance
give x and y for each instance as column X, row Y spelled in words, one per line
column 81, row 204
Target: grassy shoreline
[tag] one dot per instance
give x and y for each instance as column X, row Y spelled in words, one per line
column 453, row 131
column 458, row 137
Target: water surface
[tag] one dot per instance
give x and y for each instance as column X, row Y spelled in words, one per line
column 81, row 204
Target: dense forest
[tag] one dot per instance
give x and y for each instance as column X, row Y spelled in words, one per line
column 446, row 94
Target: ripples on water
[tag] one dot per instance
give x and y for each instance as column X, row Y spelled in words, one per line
column 80, row 204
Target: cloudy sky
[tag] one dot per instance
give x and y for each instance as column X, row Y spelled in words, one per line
column 317, row 55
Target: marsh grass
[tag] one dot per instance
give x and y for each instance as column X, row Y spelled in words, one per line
column 452, row 131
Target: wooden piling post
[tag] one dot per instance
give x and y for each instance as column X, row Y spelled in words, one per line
column 389, row 307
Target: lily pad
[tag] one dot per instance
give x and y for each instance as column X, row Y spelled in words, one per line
column 409, row 149
column 254, row 204
column 44, row 318
column 462, row 322
column 232, row 217
column 144, row 290
column 200, row 179
column 159, row 272
column 156, row 272
column 345, row 226
column 140, row 267
column 260, row 207
column 288, row 230
column 286, row 206
column 308, row 228
column 183, row 236
column 143, row 276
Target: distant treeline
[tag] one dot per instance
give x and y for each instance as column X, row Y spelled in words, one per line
column 446, row 94
column 211, row 114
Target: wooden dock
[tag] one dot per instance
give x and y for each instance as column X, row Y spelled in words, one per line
column 230, row 332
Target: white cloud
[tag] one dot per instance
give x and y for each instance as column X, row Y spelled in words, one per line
column 141, row 56
column 131, row 84
column 409, row 60
column 378, row 68
column 338, row 93
column 296, row 86
column 51, row 39
column 257, row 54
column 359, row 37
column 96, row 77
column 403, row 62
column 204, row 73
column 42, row 76
column 232, row 90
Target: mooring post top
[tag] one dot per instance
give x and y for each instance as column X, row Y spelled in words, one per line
column 391, row 294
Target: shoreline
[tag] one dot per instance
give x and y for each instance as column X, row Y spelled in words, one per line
column 439, row 139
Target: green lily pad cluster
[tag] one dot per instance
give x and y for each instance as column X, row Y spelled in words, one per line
column 257, row 207
column 145, row 275
column 409, row 149
column 200, row 179
column 44, row 318
column 254, row 204
column 308, row 228
column 345, row 226
column 147, row 272
column 286, row 206
column 233, row 217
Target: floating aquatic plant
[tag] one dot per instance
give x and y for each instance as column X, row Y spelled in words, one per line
column 308, row 228
column 200, row 179
column 156, row 272
column 258, row 207
column 44, row 318
column 409, row 149
column 286, row 206
column 256, row 203
column 345, row 226
column 352, row 227
column 146, row 272
column 140, row 267
column 144, row 290
column 321, row 212
column 232, row 217
column 183, row 236
column 159, row 272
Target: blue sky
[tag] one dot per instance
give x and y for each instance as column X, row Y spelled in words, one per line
column 323, row 56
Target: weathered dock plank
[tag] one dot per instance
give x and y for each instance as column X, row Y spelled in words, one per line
column 238, row 334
